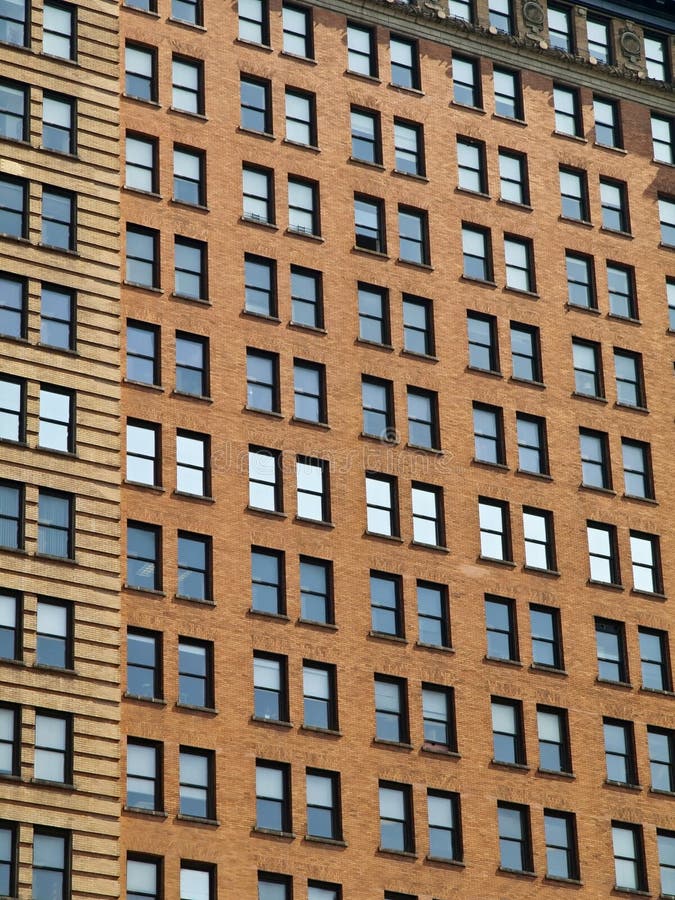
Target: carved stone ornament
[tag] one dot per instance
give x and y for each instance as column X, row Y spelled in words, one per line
column 533, row 14
column 631, row 46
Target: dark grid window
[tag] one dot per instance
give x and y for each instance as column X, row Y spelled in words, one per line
column 667, row 220
column 10, row 726
column 418, row 331
column 190, row 269
column 561, row 845
column 513, row 184
column 599, row 45
column 546, row 636
column 422, row 418
column 488, row 433
column 525, row 352
column 386, row 606
column 267, row 581
column 58, row 219
column 144, row 663
column 466, row 84
column 396, row 820
column 265, row 479
column 404, row 63
column 270, row 687
column 369, row 231
column 319, row 695
column 610, row 640
column 614, row 205
column 665, row 842
column 438, row 716
column 445, row 839
column 144, row 774
column 260, row 285
column 552, row 734
column 508, row 97
column 476, row 253
column 413, row 234
column 567, row 108
column 663, row 138
column 519, row 258
column 58, row 30
column 194, row 564
column 461, row 9
column 54, row 634
column 408, row 147
column 495, row 535
column 629, row 856
column 361, row 50
column 274, row 887
column 53, row 748
column 142, row 352
column 11, row 643
column 309, row 386
column 629, row 381
column 303, row 206
column 255, row 102
column 258, row 195
column 140, row 170
column 140, row 72
column 144, row 877
column 192, row 463
column 8, row 849
column 197, row 881
column 273, row 796
column 306, row 297
column 143, row 549
column 471, row 167
column 11, row 515
column 656, row 61
column 381, row 504
column 56, row 530
column 12, row 408
column 13, row 207
column 574, row 195
column 51, row 864
column 539, row 538
column 560, row 28
column 637, row 469
column 195, row 673
column 391, row 711
column 192, row 354
column 619, row 751
column 12, row 297
column 189, row 183
column 500, row 625
column 373, row 313
column 366, row 138
column 187, row 90
column 196, row 783
column 316, row 592
column 313, row 495
column 300, row 118
column 297, row 30
column 607, row 122
column 670, row 295
column 262, row 380
column 661, row 743
column 322, row 890
column 142, row 256
column 483, row 344
column 587, row 368
column 500, row 15
column 432, row 614
column 323, row 804
column 595, row 467
column 427, row 515
column 532, row 454
column 377, row 405
column 189, row 11
column 515, row 842
column 58, row 123
column 508, row 743
column 254, row 21
column 646, row 562
column 580, row 280
column 13, row 20
column 655, row 659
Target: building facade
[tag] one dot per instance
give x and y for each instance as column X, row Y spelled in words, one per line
column 377, row 302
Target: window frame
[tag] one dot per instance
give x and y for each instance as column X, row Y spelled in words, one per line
column 504, row 535
column 495, row 628
column 394, row 611
column 484, row 268
column 209, row 788
column 283, row 802
column 368, row 58
column 523, row 838
column 156, row 779
column 406, row 824
column 65, row 869
column 549, row 542
column 393, row 508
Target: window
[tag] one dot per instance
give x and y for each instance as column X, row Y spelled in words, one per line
column 432, row 614
column 386, row 606
column 495, row 534
column 51, row 864
column 646, row 562
column 663, row 138
column 316, row 594
column 313, row 496
column 142, row 256
column 142, row 352
column 10, row 726
column 637, row 470
column 378, row 410
column 306, row 297
column 258, row 194
column 54, row 634
column 587, row 368
column 58, row 123
column 309, row 385
column 508, row 97
column 580, row 280
column 13, row 20
column 11, row 644
column 619, row 751
column 438, row 714
column 552, row 732
column 546, row 637
column 188, row 176
column 513, row 186
column 629, row 863
column 56, row 531
column 670, row 292
column 381, row 505
column 515, row 843
column 466, row 84
column 262, row 380
column 53, row 748
column 500, row 624
column 318, row 689
column 404, row 63
column 323, row 804
column 477, row 253
column 610, row 642
column 614, row 205
column 8, row 856
column 197, row 881
column 144, row 775
column 369, row 233
column 192, row 463
column 661, row 743
column 58, row 30
column 525, row 352
column 666, row 218
column 567, row 108
column 629, row 382
column 373, row 314
column 656, row 61
column 321, row 890
column 519, row 257
column 408, row 147
column 532, row 455
column 488, row 433
column 191, row 365
column 599, row 39
column 274, row 887
column 396, row 821
column 427, row 515
column 12, row 409
column 144, row 878
column 366, row 138
column 142, row 455
column 267, row 585
column 561, row 845
column 194, row 566
column 187, row 89
column 461, row 9
column 595, row 467
column 607, row 122
column 260, row 285
column 574, row 195
column 13, row 209
column 58, row 219
column 508, row 741
column 297, row 29
column 471, row 167
column 273, row 788
column 12, row 291
column 270, row 687
column 655, row 659
column 303, row 206
column 391, row 711
column 361, row 50
column 300, row 118
column 444, row 826
column 254, row 21
column 539, row 540
column 418, row 332
column 665, row 841
column 500, row 15
column 413, row 234
column 141, row 163
column 422, row 418
column 11, row 515
column 140, row 73
column 189, row 11
column 143, row 569
column 144, row 663
column 195, row 673
column 196, row 783
column 483, row 345
column 560, row 28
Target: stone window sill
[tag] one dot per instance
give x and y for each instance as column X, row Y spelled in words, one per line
column 457, row 863
column 623, row 685
column 509, row 563
column 209, row 710
column 549, row 670
column 522, row 872
column 139, row 811
column 383, row 537
column 197, row 820
column 622, row 784
column 439, row 750
column 277, row 723
column 607, row 585
column 519, row 767
column 516, row 663
column 393, row 745
column 550, row 573
column 268, row 615
column 276, row 513
column 330, row 626
column 270, row 832
column 331, row 842
column 406, row 854
column 316, row 729
column 383, row 636
column 156, row 700
column 554, row 773
column 438, row 647
column 203, row 398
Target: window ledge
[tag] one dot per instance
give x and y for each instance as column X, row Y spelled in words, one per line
column 437, row 548
column 251, row 314
column 635, row 891
column 507, row 289
column 305, row 235
column 653, row 790
column 435, row 451
column 439, row 750
column 638, row 409
column 186, row 204
column 414, row 175
column 660, row 691
column 46, row 782
column 542, row 476
column 593, row 489
column 393, row 745
column 557, row 879
column 515, row 120
column 151, row 288
column 143, row 12
column 188, row 112
column 66, row 251
column 491, row 465
column 276, row 723
column 383, row 636
column 331, row 842
column 549, row 573
column 474, row 109
column 201, row 600
column 260, row 223
column 570, row 137
column 556, row 773
column 422, row 356
column 21, row 663
column 515, row 205
column 522, row 872
column 15, row 551
column 282, row 617
column 622, row 685
column 154, row 488
column 14, row 237
column 63, row 559
column 404, row 89
column 311, row 147
column 193, row 26
column 265, row 135
column 520, row 767
column 375, row 344
column 200, row 498
column 589, row 397
column 300, row 326
column 271, row 832
column 57, row 670
column 627, row 320
column 622, row 784
column 649, row 500
column 330, row 626
column 666, row 246
column 316, row 729
column 489, row 372
column 210, row 710
column 156, row 700
column 140, row 811
column 549, row 670
column 427, row 267
column 318, row 523
column 373, row 79
column 144, row 385
column 608, row 585
column 366, row 162
column 616, row 233
column 516, row 663
column 424, row 646
column 296, row 420
column 56, row 452
column 378, row 254
column 186, row 299
column 406, row 854
column 202, row 398
column 583, row 222
column 620, row 150
column 142, row 100
column 509, row 563
column 149, row 195
column 5, row 776
column 653, row 595
column 486, row 282
column 263, row 412
column 592, row 310
column 305, row 59
column 479, row 195
column 457, row 863
column 197, row 820
column 383, row 537
column 254, row 44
